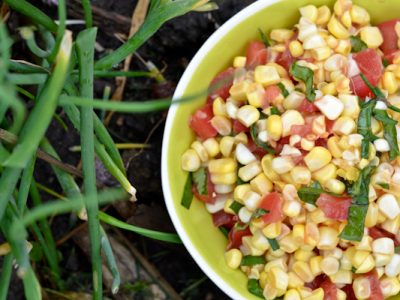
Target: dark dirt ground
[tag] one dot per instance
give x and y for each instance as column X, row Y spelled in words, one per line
column 171, row 48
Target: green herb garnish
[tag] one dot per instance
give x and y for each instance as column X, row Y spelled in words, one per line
column 241, row 226
column 397, row 249
column 264, row 38
column 385, row 62
column 250, row 260
column 389, row 132
column 274, row 244
column 364, row 126
column 224, row 231
column 357, row 44
column 275, row 111
column 253, row 286
column 386, row 186
column 254, row 136
column 284, row 91
column 353, row 269
column 377, row 92
column 200, row 180
column 259, row 213
column 236, row 206
column 306, row 75
column 187, row 196
column 311, row 193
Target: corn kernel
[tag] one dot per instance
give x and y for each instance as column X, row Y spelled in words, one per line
column 224, row 178
column 388, row 206
column 212, row 147
column 343, row 47
column 333, row 146
column 282, row 165
column 290, row 118
column 296, row 48
column 359, row 15
column 200, row 150
column 325, row 173
column 292, row 294
column 244, row 155
column 361, row 288
column 335, row 186
column 302, row 269
column 317, row 158
column 330, row 265
column 248, row 115
column 309, row 12
column 301, row 175
column 392, row 269
column 272, row 230
column 222, row 124
column 329, row 89
column 222, row 165
column 226, row 145
column 266, row 164
column 295, row 281
column 250, row 171
column 266, row 75
column 328, row 238
column 281, row 35
column 366, row 266
column 340, row 295
column 330, row 106
column 279, row 278
column 261, row 184
column 322, row 53
column 337, row 29
column 390, row 83
column 288, row 244
column 371, row 36
column 324, row 14
column 233, row 258
column 239, row 62
column 240, row 191
column 260, row 241
column 346, row 19
column 383, row 246
column 314, row 41
column 389, row 286
column 306, row 144
column 274, row 127
column 190, row 161
column 247, row 246
column 317, row 294
column 344, row 126
column 231, row 109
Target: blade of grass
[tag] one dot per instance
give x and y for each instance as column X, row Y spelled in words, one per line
column 85, row 51
column 33, row 13
column 8, row 96
column 159, row 14
column 41, row 115
column 156, row 235
column 87, row 11
column 25, row 184
column 27, row 79
column 8, row 181
column 22, row 66
column 62, row 16
column 5, row 276
column 112, row 264
column 5, row 55
column 27, row 33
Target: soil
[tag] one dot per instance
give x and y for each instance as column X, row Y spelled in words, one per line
column 171, row 48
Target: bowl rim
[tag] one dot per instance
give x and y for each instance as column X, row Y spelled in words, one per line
column 239, row 17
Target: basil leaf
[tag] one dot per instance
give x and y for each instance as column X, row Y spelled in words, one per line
column 200, row 180
column 284, row 91
column 250, row 260
column 354, row 229
column 306, row 75
column 357, row 44
column 253, row 286
column 394, row 108
column 236, row 206
column 264, row 38
column 353, row 269
column 259, row 213
column 187, row 195
column 389, row 132
column 275, row 111
column 377, row 92
column 385, row 62
column 224, row 231
column 360, row 187
column 364, row 126
column 274, row 244
column 241, row 226
column 383, row 185
column 397, row 249
column 311, row 193
column 254, row 136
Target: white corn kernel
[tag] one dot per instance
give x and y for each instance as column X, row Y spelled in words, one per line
column 282, row 165
column 389, row 286
column 330, row 106
column 388, row 205
column 223, row 188
column 248, row 172
column 362, row 288
column 289, row 150
column 344, row 126
column 383, row 246
column 301, row 175
column 381, row 145
column 330, row 265
column 239, row 62
column 392, row 269
column 248, row 115
column 244, row 155
column 218, row 205
column 371, row 36
column 190, row 161
column 251, row 200
column 335, row 62
column 314, row 41
column 201, row 150
column 328, row 238
column 266, row 75
column 290, row 118
column 231, row 110
column 222, row 124
column 244, row 215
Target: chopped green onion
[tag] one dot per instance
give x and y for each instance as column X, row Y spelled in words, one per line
column 283, row 89
column 306, row 75
column 259, row 213
column 187, row 196
column 264, row 38
column 254, row 288
column 200, row 180
column 241, row 226
column 236, row 206
column 357, row 44
column 250, row 260
column 274, row 244
column 224, row 230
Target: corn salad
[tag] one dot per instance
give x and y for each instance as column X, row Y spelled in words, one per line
column 297, row 158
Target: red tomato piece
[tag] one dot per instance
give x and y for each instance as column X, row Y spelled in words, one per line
column 302, row 130
column 390, row 56
column 271, row 93
column 211, row 196
column 329, row 125
column 334, row 207
column 235, row 237
column 221, row 85
column 256, row 54
column 239, row 127
column 297, row 158
column 389, row 35
column 285, row 59
column 200, row 122
column 329, row 289
column 221, row 218
column 375, row 286
column 348, row 289
column 307, row 107
column 273, row 203
column 316, row 283
column 257, row 151
column 321, row 143
column 281, row 143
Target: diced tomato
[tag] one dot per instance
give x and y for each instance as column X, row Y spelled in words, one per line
column 221, row 85
column 370, row 65
column 307, row 107
column 316, row 283
column 256, row 54
column 235, row 237
column 221, row 218
column 375, row 286
column 377, row 233
column 200, row 122
column 281, row 143
column 348, row 289
column 334, row 207
column 211, row 196
column 329, row 125
column 302, row 130
column 321, row 142
column 272, row 203
column 329, row 289
column 239, row 127
column 285, row 59
column 389, row 35
column 257, row 151
column 297, row 158
column 271, row 93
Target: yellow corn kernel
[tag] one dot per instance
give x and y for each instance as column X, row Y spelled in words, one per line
column 279, row 278
column 222, row 124
column 274, row 127
column 346, row 19
column 340, row 295
column 290, row 118
column 200, row 150
column 344, row 126
column 312, row 234
column 298, row 233
column 212, row 147
column 226, row 145
column 238, row 90
column 301, row 175
column 266, row 75
column 272, row 230
column 318, row 125
column 248, row 172
column 222, row 165
column 304, row 292
column 239, row 62
column 330, row 265
column 296, row 48
column 227, row 206
column 293, row 101
column 342, row 277
column 292, row 294
column 248, row 115
column 358, row 257
column 190, row 161
column 371, row 36
column 291, row 208
column 365, row 244
column 335, row 186
column 317, row 158
column 304, row 255
column 372, row 215
column 324, row 14
column 361, row 288
column 317, row 294
column 315, row 265
column 302, row 269
column 309, row 12
column 343, row 47
column 219, row 108
column 263, row 279
column 281, row 35
column 266, row 164
column 224, row 178
column 317, row 216
column 325, row 173
column 282, row 165
column 328, row 238
column 233, row 258
column 321, row 53
column 261, row 184
column 391, row 225
column 306, row 144
column 288, row 244
column 329, row 89
column 390, row 83
column 390, row 286
column 351, row 106
column 255, row 94
column 337, row 29
column 294, row 281
column 248, row 246
column 333, row 146
column 359, row 15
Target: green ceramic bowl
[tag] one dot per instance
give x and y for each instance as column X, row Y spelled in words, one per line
column 206, row 243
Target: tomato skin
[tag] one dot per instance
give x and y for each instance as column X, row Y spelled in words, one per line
column 222, row 82
column 273, row 203
column 285, row 59
column 221, row 218
column 348, row 289
column 390, row 56
column 302, row 130
column 239, row 127
column 256, row 54
column 375, row 286
column 200, row 122
column 334, row 207
column 271, row 93
column 307, row 107
column 389, row 35
column 235, row 237
column 330, row 292
column 211, row 196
